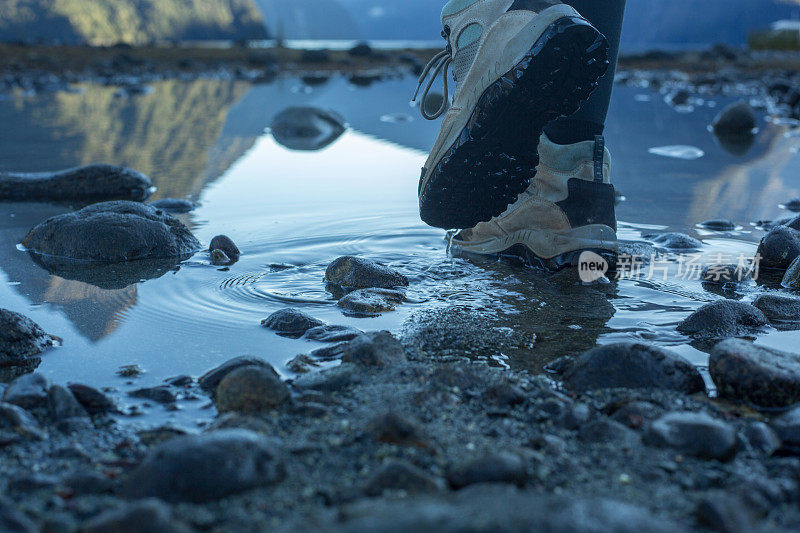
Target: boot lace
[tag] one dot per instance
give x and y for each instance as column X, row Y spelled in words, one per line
column 440, row 63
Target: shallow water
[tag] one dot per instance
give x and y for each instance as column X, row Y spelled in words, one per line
column 292, row 212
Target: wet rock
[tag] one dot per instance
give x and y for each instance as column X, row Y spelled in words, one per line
column 180, row 381
column 332, row 334
column 358, row 273
column 307, row 128
column 130, row 371
column 329, row 353
column 779, row 308
column 792, row 205
column 28, row 391
column 21, row 342
column 679, row 97
column 759, row 436
column 160, row 394
column 360, row 50
column 371, row 302
column 399, row 475
column 300, row 364
column 750, row 373
column 791, row 280
column 207, row 467
column 174, row 205
column 736, row 120
column 393, row 428
column 675, row 241
column 290, row 322
column 722, row 274
column 64, row 409
column 724, row 512
column 606, row 431
column 87, row 482
column 779, row 248
column 501, row 467
column 723, row 319
column 144, row 515
column 787, row 427
column 378, row 348
column 694, row 434
column 17, row 422
column 211, row 379
column 224, row 244
column 718, row 225
column 252, row 389
column 632, row 366
column 94, row 401
column 12, row 520
column 91, row 183
column 112, row 232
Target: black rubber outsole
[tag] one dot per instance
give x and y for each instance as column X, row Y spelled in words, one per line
column 495, row 157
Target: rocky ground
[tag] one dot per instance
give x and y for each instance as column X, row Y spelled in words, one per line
column 411, row 431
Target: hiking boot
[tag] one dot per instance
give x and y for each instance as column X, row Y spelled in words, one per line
column 519, row 64
column 567, row 210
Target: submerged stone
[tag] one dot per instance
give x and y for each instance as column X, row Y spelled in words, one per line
column 745, row 372
column 160, row 394
column 630, row 365
column 723, row 319
column 90, row 183
column 371, row 302
column 358, row 273
column 779, row 248
column 202, row 468
column 290, row 322
column 251, row 389
column 112, row 232
column 694, row 434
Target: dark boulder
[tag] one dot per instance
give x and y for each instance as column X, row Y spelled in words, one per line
column 723, row 319
column 252, row 389
column 745, row 372
column 94, row 401
column 21, row 343
column 779, row 248
column 290, row 322
column 92, row 183
column 112, row 232
column 201, row 468
column 358, row 273
column 632, row 366
column 211, row 379
column 780, row 309
column 695, row 434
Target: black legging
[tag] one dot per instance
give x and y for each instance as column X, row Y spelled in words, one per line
column 590, row 119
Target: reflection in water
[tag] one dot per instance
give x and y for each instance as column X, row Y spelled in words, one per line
column 285, row 201
column 307, row 128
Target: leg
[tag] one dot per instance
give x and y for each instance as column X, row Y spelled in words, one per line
column 606, row 16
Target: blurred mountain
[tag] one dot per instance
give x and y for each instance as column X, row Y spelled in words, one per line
column 101, row 22
column 648, row 23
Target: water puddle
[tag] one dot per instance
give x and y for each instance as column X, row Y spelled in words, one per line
column 293, row 201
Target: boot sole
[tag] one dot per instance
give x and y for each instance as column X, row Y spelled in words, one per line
column 495, row 156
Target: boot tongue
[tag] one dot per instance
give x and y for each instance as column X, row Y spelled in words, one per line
column 454, row 6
